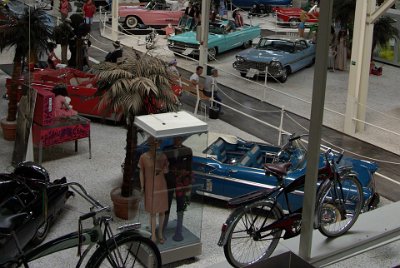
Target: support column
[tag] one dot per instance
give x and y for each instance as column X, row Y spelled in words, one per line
column 357, row 52
column 114, row 20
column 205, row 19
column 317, row 112
column 365, row 68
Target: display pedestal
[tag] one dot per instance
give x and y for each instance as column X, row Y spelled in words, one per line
column 172, row 251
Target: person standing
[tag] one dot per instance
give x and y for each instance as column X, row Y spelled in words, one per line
column 302, row 25
column 341, row 57
column 211, row 88
column 64, row 9
column 88, row 11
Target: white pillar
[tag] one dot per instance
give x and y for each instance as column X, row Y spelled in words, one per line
column 205, row 18
column 365, row 66
column 114, row 20
column 355, row 66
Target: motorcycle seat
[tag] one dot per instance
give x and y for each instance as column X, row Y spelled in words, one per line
column 279, row 169
column 8, row 222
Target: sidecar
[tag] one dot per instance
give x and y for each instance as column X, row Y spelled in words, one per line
column 28, row 190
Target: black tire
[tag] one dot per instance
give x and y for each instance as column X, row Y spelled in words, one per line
column 311, row 63
column 294, row 23
column 285, row 73
column 340, row 205
column 244, row 246
column 135, row 243
column 247, row 44
column 131, row 22
column 212, row 53
column 243, row 74
column 41, row 233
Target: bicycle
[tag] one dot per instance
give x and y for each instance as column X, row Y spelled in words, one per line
column 131, row 247
column 258, row 221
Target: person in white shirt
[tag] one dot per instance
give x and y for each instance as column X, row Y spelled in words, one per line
column 211, row 85
column 195, row 77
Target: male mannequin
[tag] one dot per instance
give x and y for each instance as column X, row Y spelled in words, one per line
column 179, row 180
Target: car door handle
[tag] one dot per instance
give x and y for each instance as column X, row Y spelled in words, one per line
column 233, row 171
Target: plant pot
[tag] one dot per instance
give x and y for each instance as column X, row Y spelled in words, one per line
column 9, row 129
column 125, row 207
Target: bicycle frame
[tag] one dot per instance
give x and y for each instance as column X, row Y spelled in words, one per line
column 88, row 237
column 291, row 218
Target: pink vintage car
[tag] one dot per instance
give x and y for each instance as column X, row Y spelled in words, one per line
column 154, row 14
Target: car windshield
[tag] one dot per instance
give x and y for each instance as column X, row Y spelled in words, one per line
column 276, row 45
column 156, row 5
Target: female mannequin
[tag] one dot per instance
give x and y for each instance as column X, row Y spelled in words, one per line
column 153, row 167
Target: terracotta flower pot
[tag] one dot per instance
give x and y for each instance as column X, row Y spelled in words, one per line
column 125, row 207
column 9, row 129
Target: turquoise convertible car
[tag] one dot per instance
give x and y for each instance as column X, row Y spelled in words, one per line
column 223, row 36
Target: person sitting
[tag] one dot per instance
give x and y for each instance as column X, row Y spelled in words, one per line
column 230, row 26
column 238, row 18
column 211, row 88
column 114, row 55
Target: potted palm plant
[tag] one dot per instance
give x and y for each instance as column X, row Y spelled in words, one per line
column 27, row 34
column 138, row 85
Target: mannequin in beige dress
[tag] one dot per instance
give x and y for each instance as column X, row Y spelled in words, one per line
column 153, row 167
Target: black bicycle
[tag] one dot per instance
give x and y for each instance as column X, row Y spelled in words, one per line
column 131, row 247
column 253, row 230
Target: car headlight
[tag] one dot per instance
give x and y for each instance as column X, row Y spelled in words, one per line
column 171, row 43
column 240, row 58
column 276, row 65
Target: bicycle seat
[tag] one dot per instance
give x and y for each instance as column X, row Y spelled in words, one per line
column 8, row 223
column 278, row 169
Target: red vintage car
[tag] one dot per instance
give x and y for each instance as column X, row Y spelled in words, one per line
column 154, row 14
column 290, row 16
column 81, row 89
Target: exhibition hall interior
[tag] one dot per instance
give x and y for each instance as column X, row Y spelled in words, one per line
column 202, row 133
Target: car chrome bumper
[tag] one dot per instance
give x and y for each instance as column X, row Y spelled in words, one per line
column 181, row 50
column 244, row 69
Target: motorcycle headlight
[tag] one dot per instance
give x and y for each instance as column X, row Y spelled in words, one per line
column 239, row 58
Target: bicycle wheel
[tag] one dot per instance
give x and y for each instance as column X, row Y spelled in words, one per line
column 245, row 246
column 128, row 249
column 340, row 206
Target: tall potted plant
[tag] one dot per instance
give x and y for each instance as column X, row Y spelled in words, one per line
column 27, row 34
column 139, row 85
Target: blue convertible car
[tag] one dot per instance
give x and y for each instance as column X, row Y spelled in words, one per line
column 277, row 55
column 223, row 36
column 230, row 167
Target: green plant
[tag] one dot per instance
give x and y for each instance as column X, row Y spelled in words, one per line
column 62, row 34
column 139, row 85
column 28, row 34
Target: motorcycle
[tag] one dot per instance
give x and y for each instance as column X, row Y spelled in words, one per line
column 151, row 39
column 28, row 191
